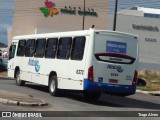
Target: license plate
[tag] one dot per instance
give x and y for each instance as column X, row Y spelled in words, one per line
column 113, row 81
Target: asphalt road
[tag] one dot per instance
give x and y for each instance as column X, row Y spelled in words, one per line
column 76, row 102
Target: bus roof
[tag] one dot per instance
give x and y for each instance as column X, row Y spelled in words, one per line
column 68, row 33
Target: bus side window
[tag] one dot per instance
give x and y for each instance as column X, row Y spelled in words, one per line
column 21, row 48
column 40, row 48
column 51, row 47
column 64, row 48
column 78, row 48
column 12, row 50
column 30, row 45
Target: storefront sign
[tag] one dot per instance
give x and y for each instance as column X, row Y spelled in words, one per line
column 145, row 28
column 88, row 12
column 68, row 10
column 73, row 11
column 150, row 39
column 49, row 10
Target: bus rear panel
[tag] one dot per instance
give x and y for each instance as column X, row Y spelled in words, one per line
column 115, row 63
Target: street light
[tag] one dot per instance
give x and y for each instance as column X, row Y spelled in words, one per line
column 115, row 16
column 84, row 7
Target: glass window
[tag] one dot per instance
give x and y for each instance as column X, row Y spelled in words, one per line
column 78, row 48
column 156, row 16
column 21, row 48
column 40, row 47
column 30, row 44
column 51, row 47
column 64, row 48
column 151, row 15
column 12, row 50
column 146, row 15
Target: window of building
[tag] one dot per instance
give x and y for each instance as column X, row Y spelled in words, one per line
column 30, row 46
column 40, row 47
column 78, row 48
column 151, row 15
column 64, row 48
column 21, row 48
column 51, row 47
column 146, row 15
column 156, row 16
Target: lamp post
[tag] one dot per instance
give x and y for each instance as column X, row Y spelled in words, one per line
column 115, row 16
column 84, row 7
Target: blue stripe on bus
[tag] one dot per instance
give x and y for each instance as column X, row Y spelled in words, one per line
column 109, row 88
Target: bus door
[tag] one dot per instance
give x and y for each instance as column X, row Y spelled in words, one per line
column 11, row 62
column 115, row 58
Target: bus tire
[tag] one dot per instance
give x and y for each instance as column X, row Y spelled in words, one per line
column 18, row 81
column 53, row 86
column 92, row 94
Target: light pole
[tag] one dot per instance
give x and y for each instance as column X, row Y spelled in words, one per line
column 115, row 16
column 84, row 7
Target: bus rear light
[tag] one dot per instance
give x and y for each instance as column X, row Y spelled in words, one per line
column 90, row 73
column 135, row 79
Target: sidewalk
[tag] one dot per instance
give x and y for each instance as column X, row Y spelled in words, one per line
column 154, row 93
column 13, row 98
column 8, row 97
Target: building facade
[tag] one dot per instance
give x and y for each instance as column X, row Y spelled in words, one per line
column 148, row 29
column 148, row 12
column 44, row 16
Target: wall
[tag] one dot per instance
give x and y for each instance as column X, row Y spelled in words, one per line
column 28, row 19
column 148, row 30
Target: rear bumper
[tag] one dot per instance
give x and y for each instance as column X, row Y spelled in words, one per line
column 123, row 90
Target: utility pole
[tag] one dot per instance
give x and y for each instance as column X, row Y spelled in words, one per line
column 115, row 16
column 84, row 9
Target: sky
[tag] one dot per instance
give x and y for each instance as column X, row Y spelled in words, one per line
column 6, row 11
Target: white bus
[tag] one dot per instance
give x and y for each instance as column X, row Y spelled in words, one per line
column 91, row 61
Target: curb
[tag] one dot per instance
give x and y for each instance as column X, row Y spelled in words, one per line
column 12, row 102
column 140, row 91
column 13, row 98
column 154, row 93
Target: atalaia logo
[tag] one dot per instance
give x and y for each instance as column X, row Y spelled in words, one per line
column 49, row 8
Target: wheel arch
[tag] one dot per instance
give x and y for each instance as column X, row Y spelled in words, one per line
column 52, row 73
column 17, row 68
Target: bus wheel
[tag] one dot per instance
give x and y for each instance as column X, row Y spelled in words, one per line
column 92, row 94
column 18, row 81
column 53, row 84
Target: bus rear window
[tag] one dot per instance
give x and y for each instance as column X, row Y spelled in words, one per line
column 114, row 58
